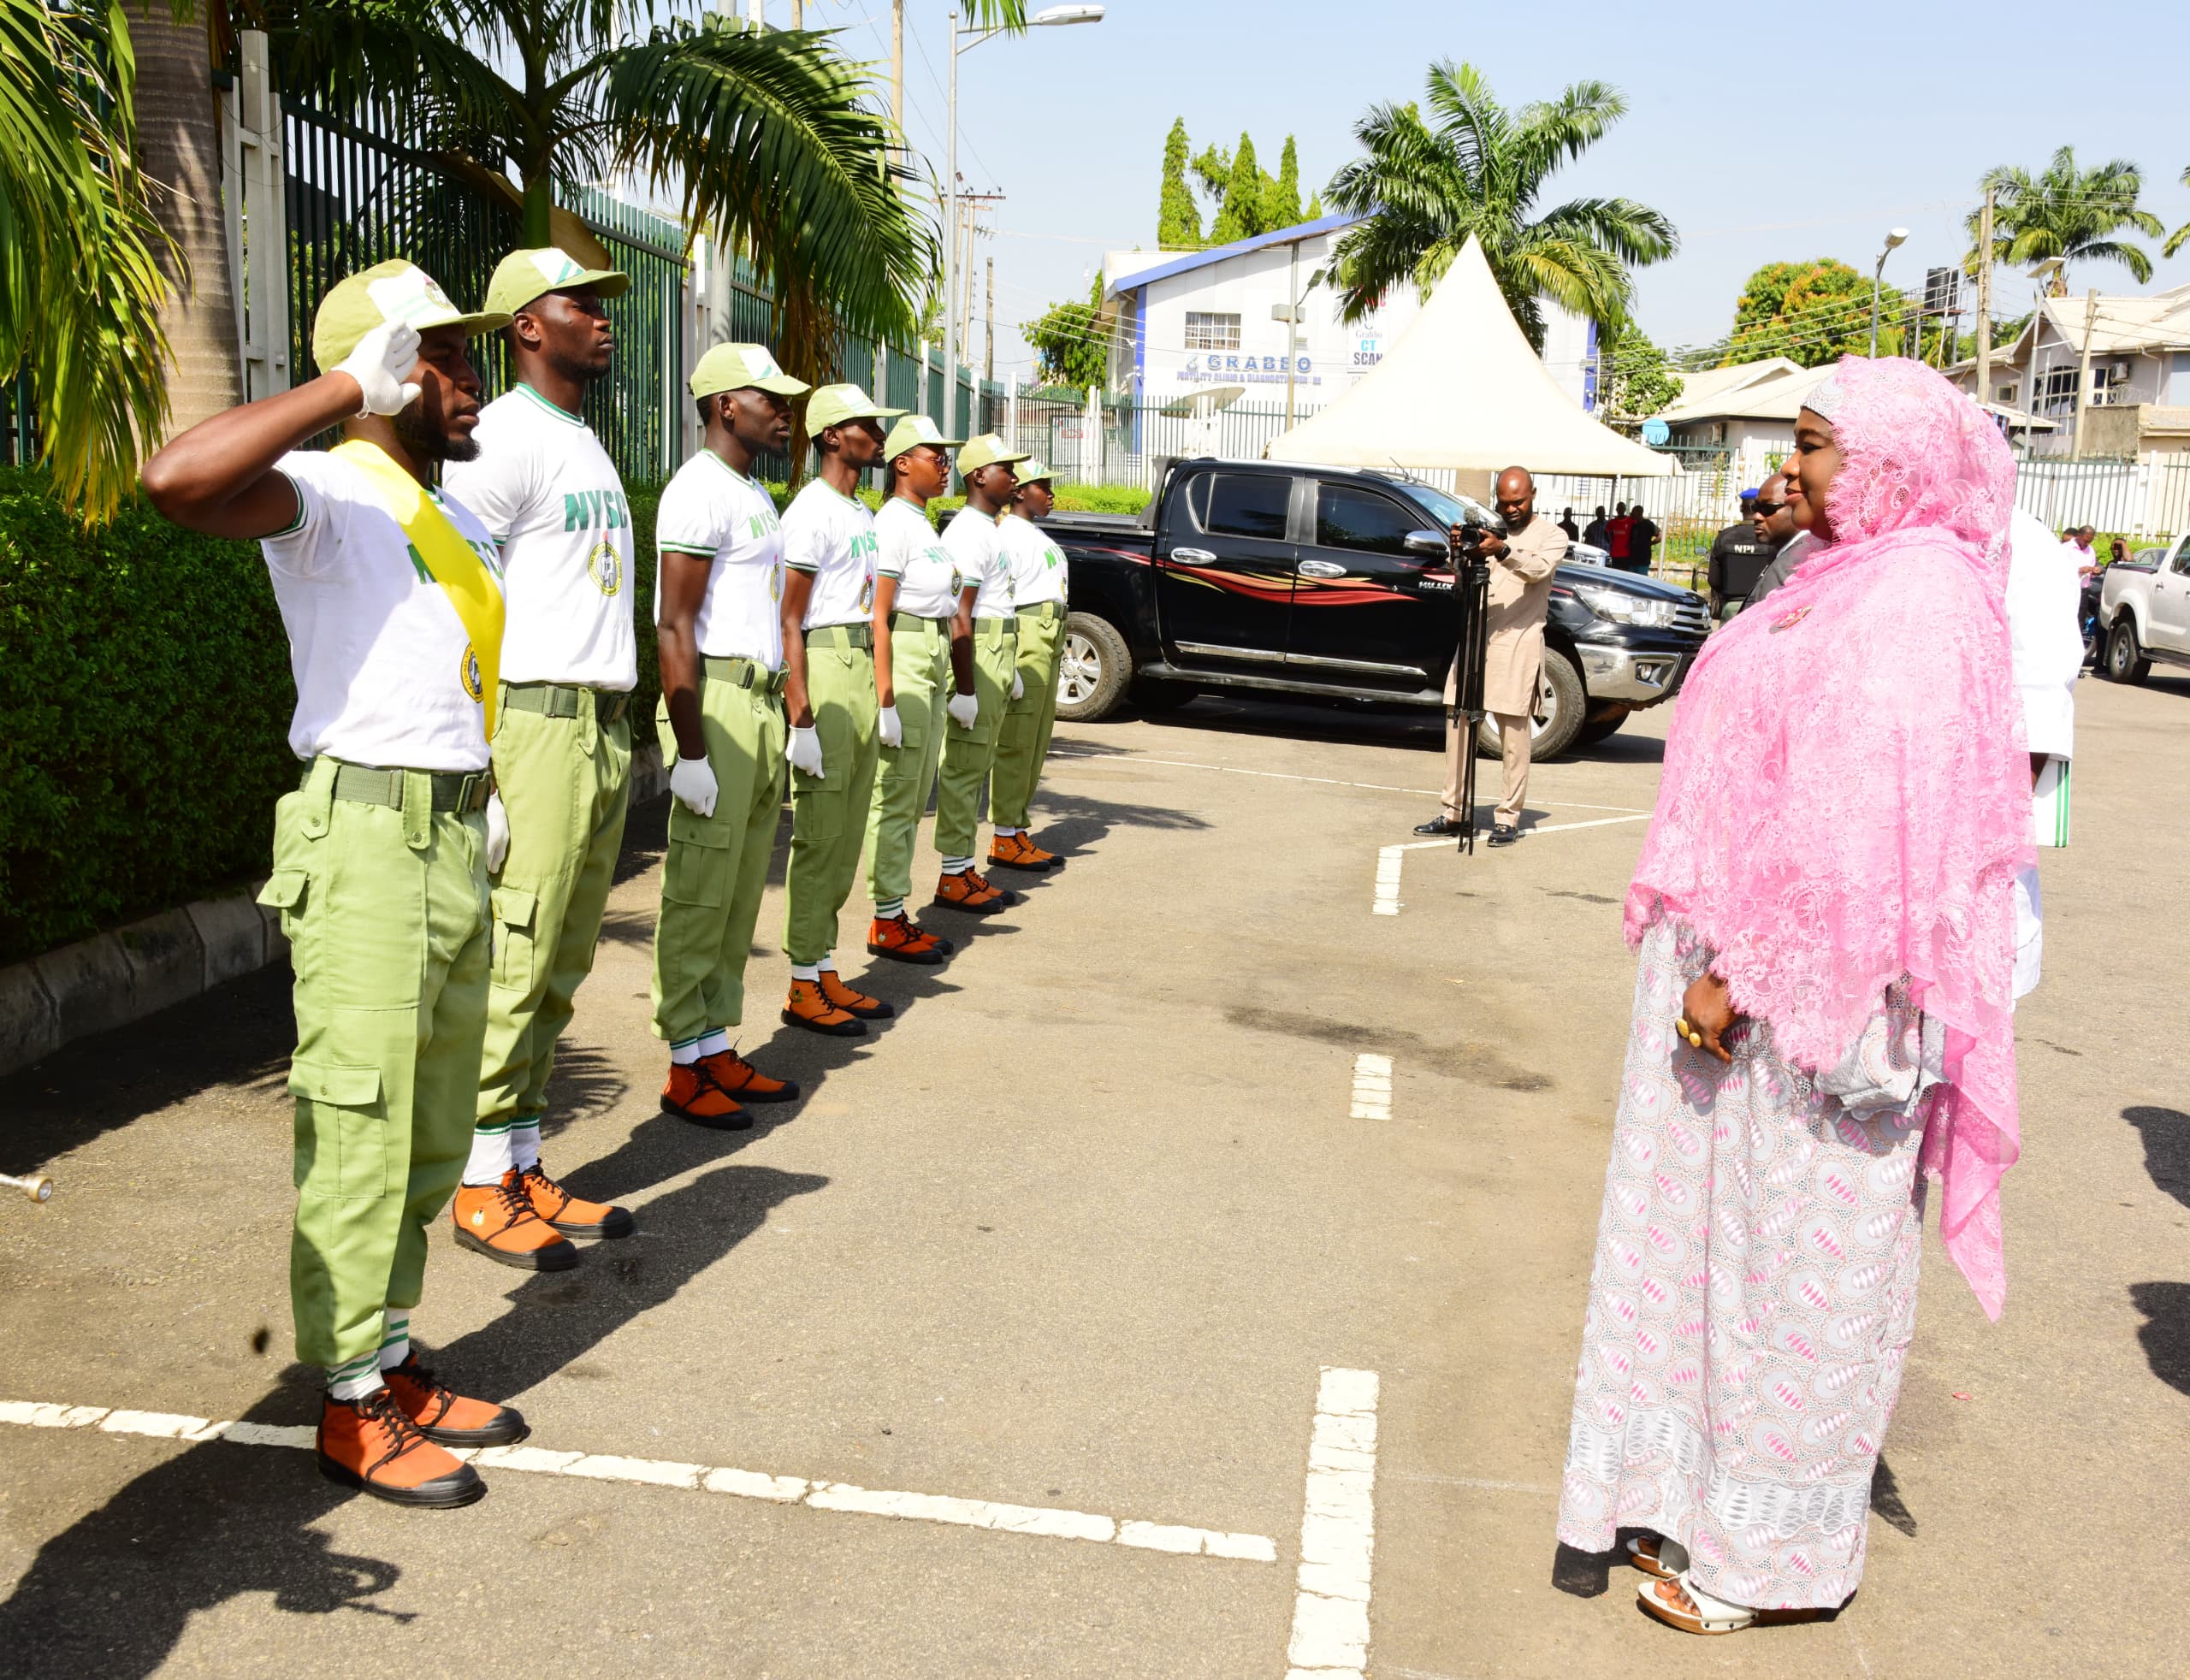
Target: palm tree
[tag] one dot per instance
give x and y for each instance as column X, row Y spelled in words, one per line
column 80, row 286
column 1479, row 172
column 2180, row 236
column 765, row 138
column 2067, row 212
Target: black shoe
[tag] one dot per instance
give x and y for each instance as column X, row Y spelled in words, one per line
column 1505, row 834
column 1443, row 827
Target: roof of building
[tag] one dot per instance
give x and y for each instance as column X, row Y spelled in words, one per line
column 1772, row 389
column 2120, row 325
column 1134, row 278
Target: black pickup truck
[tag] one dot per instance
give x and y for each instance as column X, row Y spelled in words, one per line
column 1242, row 576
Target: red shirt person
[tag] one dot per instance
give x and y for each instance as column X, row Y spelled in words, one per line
column 1619, row 532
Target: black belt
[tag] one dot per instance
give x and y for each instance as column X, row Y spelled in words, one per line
column 910, row 621
column 842, row 636
column 558, row 700
column 746, row 673
column 461, row 790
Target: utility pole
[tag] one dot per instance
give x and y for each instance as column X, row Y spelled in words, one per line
column 1984, row 300
column 897, row 65
column 2083, row 375
column 988, row 359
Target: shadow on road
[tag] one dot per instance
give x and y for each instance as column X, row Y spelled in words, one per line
column 2165, row 1334
column 2166, row 1132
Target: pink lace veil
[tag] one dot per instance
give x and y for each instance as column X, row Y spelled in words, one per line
column 1846, row 795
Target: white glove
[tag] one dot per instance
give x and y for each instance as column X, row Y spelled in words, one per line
column 498, row 834
column 383, row 361
column 1018, row 686
column 693, row 782
column 963, row 710
column 803, row 750
column 886, row 725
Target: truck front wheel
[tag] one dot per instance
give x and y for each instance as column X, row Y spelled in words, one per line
column 1562, row 705
column 1095, row 671
column 2125, row 660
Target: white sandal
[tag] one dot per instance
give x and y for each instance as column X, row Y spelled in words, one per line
column 1657, row 1556
column 1678, row 1602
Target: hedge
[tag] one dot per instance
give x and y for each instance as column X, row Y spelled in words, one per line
column 145, row 686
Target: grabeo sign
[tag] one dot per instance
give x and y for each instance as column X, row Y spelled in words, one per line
column 1227, row 368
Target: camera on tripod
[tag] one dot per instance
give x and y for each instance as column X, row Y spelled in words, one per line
column 1471, row 595
column 1477, row 522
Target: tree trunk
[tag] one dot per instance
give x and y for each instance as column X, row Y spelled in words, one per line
column 180, row 147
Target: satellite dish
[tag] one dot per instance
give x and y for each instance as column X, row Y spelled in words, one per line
column 1199, row 405
column 1655, row 432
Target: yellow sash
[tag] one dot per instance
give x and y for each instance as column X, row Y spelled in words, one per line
column 471, row 589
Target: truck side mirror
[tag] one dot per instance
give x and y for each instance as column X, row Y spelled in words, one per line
column 1430, row 544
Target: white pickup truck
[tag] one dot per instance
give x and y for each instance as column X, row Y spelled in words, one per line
column 2144, row 613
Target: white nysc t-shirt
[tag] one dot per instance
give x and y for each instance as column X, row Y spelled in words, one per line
column 911, row 552
column 547, row 491
column 711, row 510
column 1038, row 572
column 385, row 670
column 831, row 536
column 977, row 548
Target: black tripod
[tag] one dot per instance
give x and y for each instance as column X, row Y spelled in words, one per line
column 1472, row 592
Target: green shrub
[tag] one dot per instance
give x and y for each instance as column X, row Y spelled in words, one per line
column 145, row 683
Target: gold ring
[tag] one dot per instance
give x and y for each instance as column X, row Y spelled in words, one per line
column 1681, row 1026
column 1696, row 1039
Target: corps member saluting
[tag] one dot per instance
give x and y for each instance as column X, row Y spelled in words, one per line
column 549, row 495
column 984, row 613
column 919, row 664
column 1037, row 596
column 829, row 694
column 389, row 594
column 716, row 612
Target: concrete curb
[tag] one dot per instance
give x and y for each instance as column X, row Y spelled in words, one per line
column 118, row 977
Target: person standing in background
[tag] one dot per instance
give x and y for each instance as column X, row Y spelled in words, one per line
column 2044, row 600
column 720, row 721
column 1775, row 525
column 1641, row 539
column 546, row 490
column 1039, row 590
column 1740, row 552
column 1596, row 533
column 1566, row 524
column 1619, row 536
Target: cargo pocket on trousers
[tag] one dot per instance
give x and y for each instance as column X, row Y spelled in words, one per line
column 697, row 860
column 817, row 810
column 342, row 1131
column 286, row 892
column 512, row 912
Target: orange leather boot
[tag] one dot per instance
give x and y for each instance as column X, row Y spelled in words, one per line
column 737, row 1077
column 1017, row 851
column 372, row 1445
column 850, row 1002
column 691, row 1095
column 444, row 1416
column 566, row 1213
column 498, row 1221
column 968, row 891
column 901, row 939
column 809, row 1007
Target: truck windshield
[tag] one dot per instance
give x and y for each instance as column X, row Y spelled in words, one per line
column 1446, row 510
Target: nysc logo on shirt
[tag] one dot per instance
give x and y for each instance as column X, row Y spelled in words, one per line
column 467, row 672
column 595, row 510
column 759, row 525
column 605, row 567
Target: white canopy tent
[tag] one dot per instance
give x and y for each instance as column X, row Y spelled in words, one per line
column 1461, row 390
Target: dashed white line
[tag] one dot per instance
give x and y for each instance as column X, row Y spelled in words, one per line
column 1387, row 874
column 1372, row 1087
column 841, row 1496
column 1338, row 1532
column 1323, row 781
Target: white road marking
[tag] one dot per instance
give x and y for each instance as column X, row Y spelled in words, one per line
column 1338, row 1529
column 1389, row 858
column 1483, row 1483
column 1323, row 781
column 701, row 1478
column 1372, row 1087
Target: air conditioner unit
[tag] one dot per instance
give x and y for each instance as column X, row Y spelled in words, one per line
column 2118, row 369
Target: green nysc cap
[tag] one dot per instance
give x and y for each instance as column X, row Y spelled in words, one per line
column 1036, row 471
column 395, row 290
column 987, row 450
column 737, row 367
column 911, row 432
column 524, row 276
column 834, row 405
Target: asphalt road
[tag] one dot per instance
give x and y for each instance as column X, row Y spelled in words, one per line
column 1067, row 1248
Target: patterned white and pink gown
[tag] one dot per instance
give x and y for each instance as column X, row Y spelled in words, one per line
column 1753, row 1295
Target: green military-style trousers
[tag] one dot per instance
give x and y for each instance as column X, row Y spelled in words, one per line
column 968, row 754
column 1023, row 741
column 829, row 814
column 566, row 784
column 385, row 909
column 920, row 665
column 717, row 866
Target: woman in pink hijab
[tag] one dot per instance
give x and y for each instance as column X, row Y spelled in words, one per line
column 1824, row 914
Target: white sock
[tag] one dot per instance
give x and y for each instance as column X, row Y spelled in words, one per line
column 1005, row 833
column 490, row 1151
column 684, row 1054
column 714, row 1044
column 957, row 866
column 525, row 1142
column 806, row 971
column 889, row 909
column 827, row 964
column 395, row 1341
column 356, row 1380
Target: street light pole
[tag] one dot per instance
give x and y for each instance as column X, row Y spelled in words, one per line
column 1892, row 238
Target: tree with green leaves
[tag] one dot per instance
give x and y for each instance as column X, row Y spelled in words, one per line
column 2180, row 236
column 1475, row 169
column 1240, row 215
column 1281, row 202
column 2068, row 212
column 80, row 253
column 1638, row 378
column 1178, row 218
column 1812, row 313
column 1248, row 200
column 1071, row 342
column 767, row 139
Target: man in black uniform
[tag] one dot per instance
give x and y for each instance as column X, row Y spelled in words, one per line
column 1740, row 552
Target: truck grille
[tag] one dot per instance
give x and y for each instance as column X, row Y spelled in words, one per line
column 1692, row 617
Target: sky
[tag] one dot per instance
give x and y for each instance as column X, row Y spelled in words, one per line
column 1776, row 133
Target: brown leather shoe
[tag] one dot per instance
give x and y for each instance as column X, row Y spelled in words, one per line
column 850, row 1002
column 968, row 892
column 691, row 1095
column 497, row 1220
column 372, row 1445
column 737, row 1077
column 444, row 1416
column 901, row 939
column 809, row 1007
column 568, row 1213
column 1017, row 851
